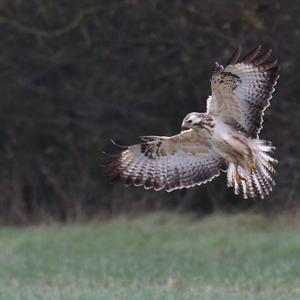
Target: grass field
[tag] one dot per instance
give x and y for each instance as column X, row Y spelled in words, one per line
column 159, row 256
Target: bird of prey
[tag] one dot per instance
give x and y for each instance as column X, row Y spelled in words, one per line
column 224, row 138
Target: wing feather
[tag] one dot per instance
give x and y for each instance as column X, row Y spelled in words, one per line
column 242, row 90
column 169, row 163
column 235, row 56
column 248, row 58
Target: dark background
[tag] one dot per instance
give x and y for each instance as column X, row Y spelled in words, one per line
column 75, row 74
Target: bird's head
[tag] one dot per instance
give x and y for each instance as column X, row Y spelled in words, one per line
column 197, row 121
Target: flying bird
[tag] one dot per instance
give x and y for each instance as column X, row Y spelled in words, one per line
column 224, row 138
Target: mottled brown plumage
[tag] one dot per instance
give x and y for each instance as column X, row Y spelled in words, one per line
column 225, row 138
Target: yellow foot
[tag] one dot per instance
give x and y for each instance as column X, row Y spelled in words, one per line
column 251, row 167
column 239, row 178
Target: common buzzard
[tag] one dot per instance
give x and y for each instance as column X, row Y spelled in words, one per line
column 224, row 138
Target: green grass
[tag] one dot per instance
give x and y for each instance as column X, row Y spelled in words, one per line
column 159, row 256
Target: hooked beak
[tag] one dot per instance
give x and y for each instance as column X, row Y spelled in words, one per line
column 184, row 127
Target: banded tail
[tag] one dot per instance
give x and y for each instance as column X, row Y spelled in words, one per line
column 256, row 181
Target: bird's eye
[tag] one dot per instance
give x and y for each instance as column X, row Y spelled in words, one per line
column 189, row 121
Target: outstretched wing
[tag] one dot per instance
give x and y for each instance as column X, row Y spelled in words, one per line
column 169, row 163
column 241, row 91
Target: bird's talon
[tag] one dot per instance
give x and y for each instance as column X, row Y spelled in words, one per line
column 239, row 178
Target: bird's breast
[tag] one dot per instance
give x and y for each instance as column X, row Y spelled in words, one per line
column 226, row 142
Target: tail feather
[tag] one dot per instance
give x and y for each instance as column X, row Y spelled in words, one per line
column 258, row 183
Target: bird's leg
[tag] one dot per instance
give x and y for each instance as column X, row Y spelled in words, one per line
column 238, row 176
column 251, row 166
column 250, row 163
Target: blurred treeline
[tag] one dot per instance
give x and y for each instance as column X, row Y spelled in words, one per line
column 75, row 74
